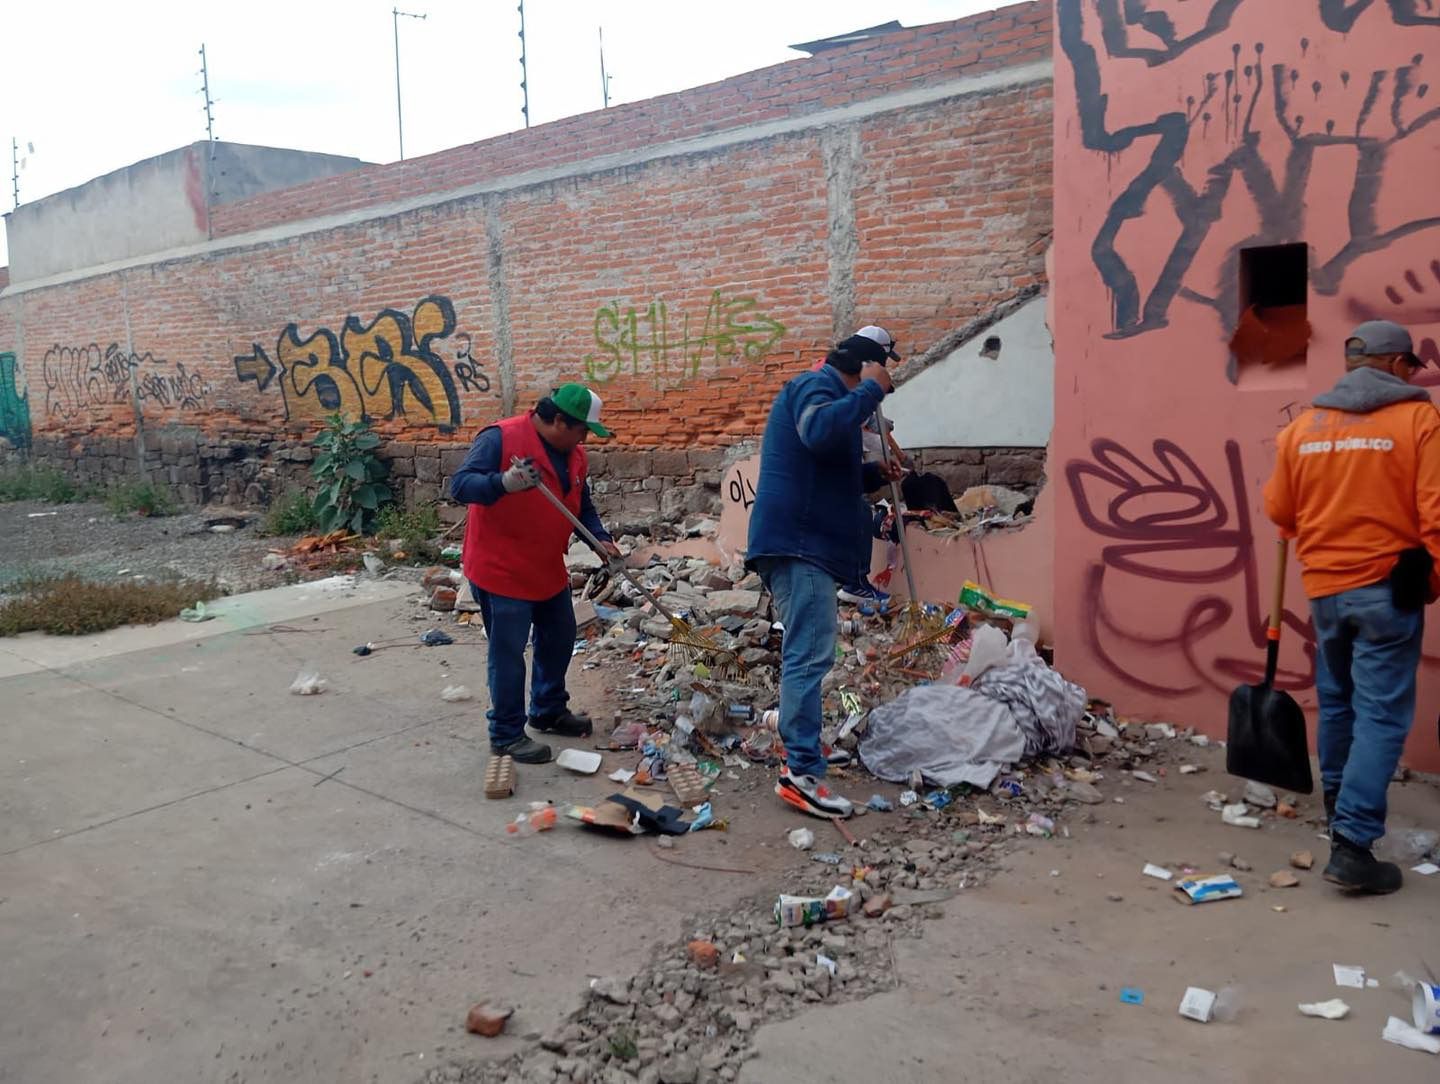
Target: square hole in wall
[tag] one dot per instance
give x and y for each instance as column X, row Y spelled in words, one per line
column 1272, row 335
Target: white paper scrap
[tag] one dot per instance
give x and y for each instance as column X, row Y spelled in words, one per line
column 1198, row 1004
column 1400, row 1033
column 1158, row 872
column 1425, row 869
column 1334, row 1009
column 1349, row 975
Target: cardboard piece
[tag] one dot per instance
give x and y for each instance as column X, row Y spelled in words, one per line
column 499, row 777
column 688, row 784
column 1220, row 886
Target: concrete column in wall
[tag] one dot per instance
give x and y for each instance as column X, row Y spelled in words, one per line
column 500, row 303
column 840, row 148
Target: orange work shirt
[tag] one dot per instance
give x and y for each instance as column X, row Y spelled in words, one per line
column 1354, row 490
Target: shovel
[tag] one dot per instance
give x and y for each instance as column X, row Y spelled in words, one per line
column 1267, row 741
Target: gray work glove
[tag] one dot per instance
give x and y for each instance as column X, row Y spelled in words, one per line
column 523, row 474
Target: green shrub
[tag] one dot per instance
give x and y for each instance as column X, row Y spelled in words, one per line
column 415, row 529
column 72, row 606
column 39, row 484
column 140, row 498
column 293, row 513
column 350, row 476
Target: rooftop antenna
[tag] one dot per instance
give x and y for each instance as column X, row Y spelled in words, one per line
column 209, row 102
column 15, row 169
column 524, row 69
column 604, row 79
column 400, row 113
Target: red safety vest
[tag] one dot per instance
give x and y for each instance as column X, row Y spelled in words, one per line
column 516, row 547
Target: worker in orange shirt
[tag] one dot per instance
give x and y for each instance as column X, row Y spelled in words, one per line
column 1357, row 485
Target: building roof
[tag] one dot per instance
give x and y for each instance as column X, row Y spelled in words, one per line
column 840, row 40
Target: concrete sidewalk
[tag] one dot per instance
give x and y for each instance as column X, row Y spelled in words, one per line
column 206, row 878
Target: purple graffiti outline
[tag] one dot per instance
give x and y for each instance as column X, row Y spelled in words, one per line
column 1199, row 525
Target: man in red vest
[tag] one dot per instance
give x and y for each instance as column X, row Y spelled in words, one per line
column 514, row 557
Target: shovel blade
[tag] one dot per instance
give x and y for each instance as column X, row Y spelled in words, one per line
column 1267, row 740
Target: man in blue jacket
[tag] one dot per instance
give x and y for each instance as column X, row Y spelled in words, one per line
column 809, row 533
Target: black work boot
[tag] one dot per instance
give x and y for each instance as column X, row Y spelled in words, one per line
column 1355, row 869
column 525, row 750
column 564, row 723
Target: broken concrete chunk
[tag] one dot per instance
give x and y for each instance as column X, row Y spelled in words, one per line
column 1085, row 793
column 1283, row 878
column 487, row 1020
column 703, row 954
column 1258, row 794
column 739, row 603
column 1302, row 860
column 615, row 991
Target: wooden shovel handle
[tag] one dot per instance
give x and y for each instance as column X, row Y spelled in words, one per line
column 1277, row 606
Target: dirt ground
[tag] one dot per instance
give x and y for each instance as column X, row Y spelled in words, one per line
column 41, row 538
column 204, row 877
column 1021, row 979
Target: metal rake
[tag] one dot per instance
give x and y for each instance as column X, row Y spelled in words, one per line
column 688, row 645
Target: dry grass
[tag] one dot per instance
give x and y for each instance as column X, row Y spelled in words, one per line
column 73, row 606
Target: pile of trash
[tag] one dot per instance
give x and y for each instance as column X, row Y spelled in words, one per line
column 978, row 511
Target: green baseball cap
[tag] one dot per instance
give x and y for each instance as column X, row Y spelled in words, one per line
column 582, row 404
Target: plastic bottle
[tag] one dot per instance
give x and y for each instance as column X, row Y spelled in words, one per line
column 1229, row 1003
column 541, row 818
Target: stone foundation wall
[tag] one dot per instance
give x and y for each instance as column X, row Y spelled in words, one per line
column 632, row 489
column 1017, row 468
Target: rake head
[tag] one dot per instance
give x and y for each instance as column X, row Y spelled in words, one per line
column 689, row 646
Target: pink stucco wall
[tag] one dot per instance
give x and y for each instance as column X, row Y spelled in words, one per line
column 1011, row 563
column 1186, row 130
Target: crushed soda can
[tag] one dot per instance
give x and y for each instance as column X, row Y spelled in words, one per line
column 1011, row 787
column 938, row 799
column 830, row 858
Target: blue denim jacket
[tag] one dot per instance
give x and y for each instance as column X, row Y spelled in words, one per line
column 809, row 501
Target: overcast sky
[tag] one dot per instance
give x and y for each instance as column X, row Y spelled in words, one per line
column 95, row 85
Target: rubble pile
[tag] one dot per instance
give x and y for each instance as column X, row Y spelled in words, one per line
column 690, row 1014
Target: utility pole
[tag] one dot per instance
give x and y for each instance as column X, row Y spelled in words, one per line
column 209, row 102
column 524, row 70
column 604, row 79
column 15, row 169
column 399, row 112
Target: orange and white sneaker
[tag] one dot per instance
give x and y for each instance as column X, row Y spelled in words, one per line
column 811, row 795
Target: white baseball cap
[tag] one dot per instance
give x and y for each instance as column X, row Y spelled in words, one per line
column 879, row 335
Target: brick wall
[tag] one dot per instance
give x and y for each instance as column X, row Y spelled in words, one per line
column 918, row 57
column 685, row 287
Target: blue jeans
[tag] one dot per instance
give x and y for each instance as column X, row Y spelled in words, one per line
column 1367, row 652
column 805, row 598
column 507, row 623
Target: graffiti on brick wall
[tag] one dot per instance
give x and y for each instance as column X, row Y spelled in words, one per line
column 672, row 349
column 14, row 407
column 1275, row 116
column 387, row 369
column 81, row 380
column 469, row 370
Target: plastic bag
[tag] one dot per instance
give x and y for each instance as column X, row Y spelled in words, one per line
column 988, row 648
column 307, row 683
